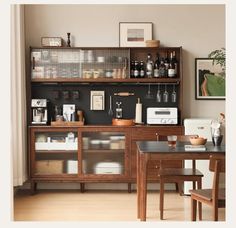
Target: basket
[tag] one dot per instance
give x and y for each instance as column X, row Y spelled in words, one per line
column 152, row 43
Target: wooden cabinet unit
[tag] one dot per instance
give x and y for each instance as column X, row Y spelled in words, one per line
column 97, row 151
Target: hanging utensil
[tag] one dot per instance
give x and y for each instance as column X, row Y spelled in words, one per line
column 124, row 94
column 110, row 112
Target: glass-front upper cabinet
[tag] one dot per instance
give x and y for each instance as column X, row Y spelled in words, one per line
column 103, row 152
column 55, row 153
column 83, row 63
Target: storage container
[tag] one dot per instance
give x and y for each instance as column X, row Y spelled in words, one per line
column 108, row 168
column 49, row 167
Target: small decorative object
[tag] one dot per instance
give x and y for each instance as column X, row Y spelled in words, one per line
column 209, row 79
column 51, row 41
column 152, row 43
column 216, row 130
column 97, row 100
column 68, row 39
column 134, row 34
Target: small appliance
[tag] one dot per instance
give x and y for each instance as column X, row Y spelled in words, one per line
column 39, row 109
column 162, row 115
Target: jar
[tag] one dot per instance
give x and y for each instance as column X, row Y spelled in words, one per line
column 108, row 73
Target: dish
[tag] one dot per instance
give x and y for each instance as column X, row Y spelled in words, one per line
column 198, row 140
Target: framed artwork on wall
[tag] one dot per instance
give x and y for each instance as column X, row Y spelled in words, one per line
column 209, row 79
column 134, row 34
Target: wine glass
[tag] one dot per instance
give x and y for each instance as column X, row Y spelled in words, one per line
column 149, row 95
column 173, row 95
column 165, row 95
column 158, row 96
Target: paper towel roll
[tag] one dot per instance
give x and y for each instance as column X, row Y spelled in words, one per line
column 138, row 112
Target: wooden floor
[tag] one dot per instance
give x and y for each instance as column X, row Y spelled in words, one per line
column 100, row 206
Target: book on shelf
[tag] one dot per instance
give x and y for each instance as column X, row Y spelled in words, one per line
column 195, row 147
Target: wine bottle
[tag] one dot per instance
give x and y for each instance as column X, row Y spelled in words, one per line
column 141, row 70
column 166, row 62
column 136, row 69
column 132, row 69
column 171, row 69
column 149, row 66
column 175, row 63
column 156, row 73
column 162, row 68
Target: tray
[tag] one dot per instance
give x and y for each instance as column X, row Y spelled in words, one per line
column 65, row 123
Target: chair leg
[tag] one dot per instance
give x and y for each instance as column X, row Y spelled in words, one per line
column 180, row 187
column 193, row 209
column 199, row 186
column 161, row 204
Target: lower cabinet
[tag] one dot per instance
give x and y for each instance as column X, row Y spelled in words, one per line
column 91, row 153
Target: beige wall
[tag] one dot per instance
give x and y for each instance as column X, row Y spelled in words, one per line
column 199, row 29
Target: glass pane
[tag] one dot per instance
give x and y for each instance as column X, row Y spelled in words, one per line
column 56, row 153
column 103, row 152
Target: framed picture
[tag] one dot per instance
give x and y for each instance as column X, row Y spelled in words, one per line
column 209, row 79
column 134, row 34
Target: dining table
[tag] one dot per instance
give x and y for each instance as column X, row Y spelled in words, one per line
column 159, row 150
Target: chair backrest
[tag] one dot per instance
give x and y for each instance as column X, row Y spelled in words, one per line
column 216, row 165
column 180, row 138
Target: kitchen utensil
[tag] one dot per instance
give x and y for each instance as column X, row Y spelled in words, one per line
column 165, row 95
column 124, row 94
column 158, row 96
column 149, row 95
column 173, row 95
column 110, row 112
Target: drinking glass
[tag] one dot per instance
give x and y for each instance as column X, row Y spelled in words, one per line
column 165, row 95
column 158, row 96
column 149, row 95
column 172, row 140
column 173, row 95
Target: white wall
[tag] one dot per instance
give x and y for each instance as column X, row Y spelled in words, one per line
column 199, row 29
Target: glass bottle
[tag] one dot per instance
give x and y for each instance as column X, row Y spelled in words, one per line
column 118, row 110
column 171, row 69
column 149, row 66
column 132, row 69
column 162, row 68
column 141, row 70
column 136, row 69
column 166, row 62
column 156, row 73
column 175, row 63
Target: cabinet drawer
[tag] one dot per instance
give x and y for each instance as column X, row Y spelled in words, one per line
column 149, row 133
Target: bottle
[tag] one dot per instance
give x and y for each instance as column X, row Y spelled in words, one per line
column 141, row 70
column 171, row 69
column 132, row 69
column 166, row 62
column 136, row 69
column 118, row 110
column 138, row 112
column 156, row 73
column 175, row 63
column 149, row 66
column 162, row 68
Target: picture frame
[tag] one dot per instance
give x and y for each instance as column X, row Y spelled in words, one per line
column 134, row 34
column 209, row 79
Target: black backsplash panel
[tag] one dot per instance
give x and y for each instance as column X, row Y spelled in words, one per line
column 49, row 91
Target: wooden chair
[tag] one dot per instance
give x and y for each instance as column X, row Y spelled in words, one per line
column 178, row 175
column 214, row 197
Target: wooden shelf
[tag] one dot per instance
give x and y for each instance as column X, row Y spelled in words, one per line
column 104, row 151
column 56, row 151
column 106, row 80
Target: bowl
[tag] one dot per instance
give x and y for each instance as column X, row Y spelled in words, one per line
column 198, row 140
column 123, row 122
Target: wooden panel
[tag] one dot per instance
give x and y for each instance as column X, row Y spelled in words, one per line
column 149, row 133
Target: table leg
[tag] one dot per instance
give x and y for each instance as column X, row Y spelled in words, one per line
column 143, row 186
column 137, row 185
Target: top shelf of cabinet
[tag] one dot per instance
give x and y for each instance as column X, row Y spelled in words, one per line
column 106, row 80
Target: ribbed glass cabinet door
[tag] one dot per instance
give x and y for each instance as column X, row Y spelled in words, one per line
column 103, row 152
column 56, row 153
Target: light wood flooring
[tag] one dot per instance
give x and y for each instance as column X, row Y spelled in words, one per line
column 70, row 205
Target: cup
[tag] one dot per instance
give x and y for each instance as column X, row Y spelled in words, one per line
column 172, row 140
